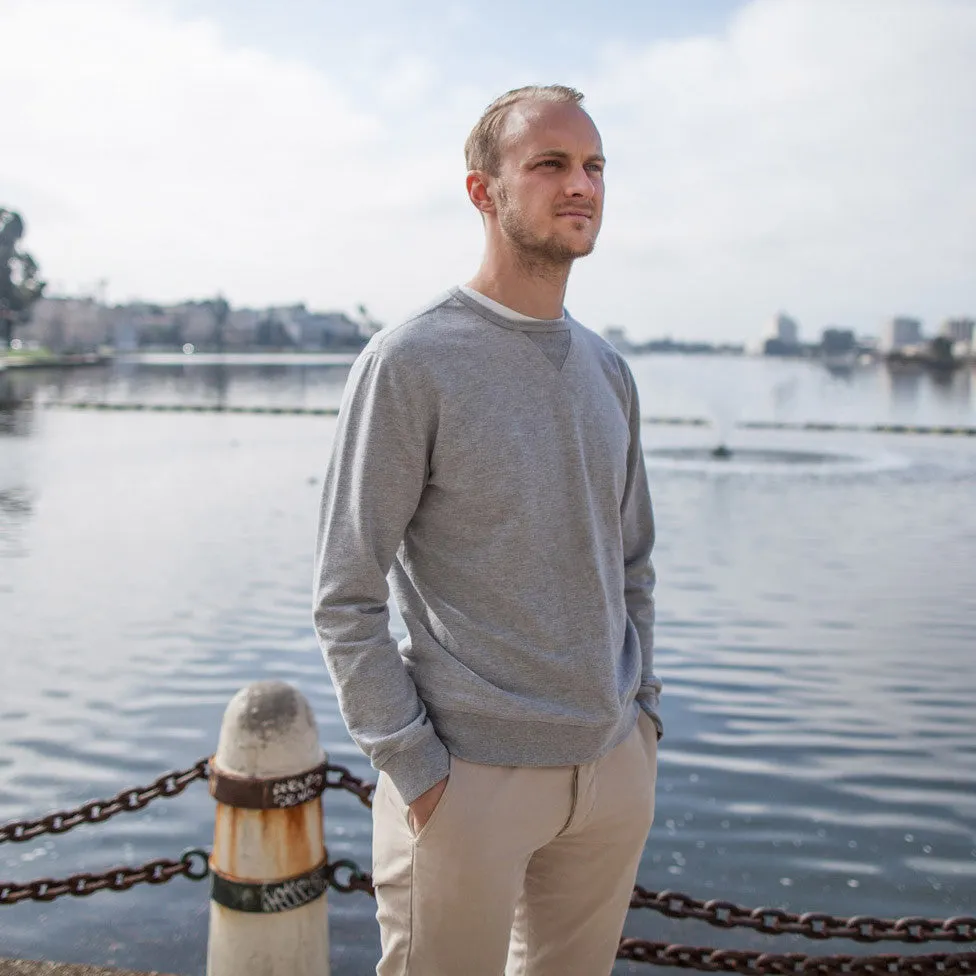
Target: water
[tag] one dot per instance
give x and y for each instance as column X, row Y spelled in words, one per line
column 816, row 634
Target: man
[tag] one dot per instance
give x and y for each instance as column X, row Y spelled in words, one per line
column 487, row 457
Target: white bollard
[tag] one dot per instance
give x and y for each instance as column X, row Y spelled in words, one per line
column 268, row 908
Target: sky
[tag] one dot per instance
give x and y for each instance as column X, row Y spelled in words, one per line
column 816, row 157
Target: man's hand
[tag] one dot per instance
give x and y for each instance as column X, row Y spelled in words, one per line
column 422, row 809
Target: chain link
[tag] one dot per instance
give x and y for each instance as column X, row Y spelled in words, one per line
column 813, row 925
column 193, row 865
column 169, row 784
column 722, row 914
column 339, row 778
column 359, row 880
column 711, row 960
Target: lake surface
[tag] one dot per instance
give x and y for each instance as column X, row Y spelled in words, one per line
column 816, row 638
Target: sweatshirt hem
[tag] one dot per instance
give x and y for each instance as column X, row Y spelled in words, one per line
column 514, row 742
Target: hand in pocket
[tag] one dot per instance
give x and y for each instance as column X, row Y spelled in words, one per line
column 422, row 809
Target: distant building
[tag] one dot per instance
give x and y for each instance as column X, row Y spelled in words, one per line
column 125, row 336
column 785, row 329
column 961, row 335
column 295, row 327
column 959, row 330
column 838, row 349
column 68, row 324
column 617, row 337
column 144, row 325
column 84, row 324
column 838, row 342
column 195, row 322
column 329, row 330
column 241, row 328
column 782, row 338
column 900, row 332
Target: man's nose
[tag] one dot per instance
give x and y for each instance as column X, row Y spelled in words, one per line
column 579, row 183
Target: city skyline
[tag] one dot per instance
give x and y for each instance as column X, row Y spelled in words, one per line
column 811, row 155
column 85, row 322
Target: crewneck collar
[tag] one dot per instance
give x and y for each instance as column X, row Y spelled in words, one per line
column 561, row 324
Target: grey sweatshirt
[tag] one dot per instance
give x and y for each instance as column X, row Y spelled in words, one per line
column 492, row 471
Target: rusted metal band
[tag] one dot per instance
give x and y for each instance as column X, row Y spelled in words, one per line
column 267, row 794
column 270, row 897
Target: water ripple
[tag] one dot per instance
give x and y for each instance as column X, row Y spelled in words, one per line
column 814, row 636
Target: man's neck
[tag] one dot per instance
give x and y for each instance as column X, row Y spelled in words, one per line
column 526, row 288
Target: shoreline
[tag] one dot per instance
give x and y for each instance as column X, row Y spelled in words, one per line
column 346, row 357
column 75, row 361
column 34, row 967
column 238, row 358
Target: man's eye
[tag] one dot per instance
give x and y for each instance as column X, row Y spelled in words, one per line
column 550, row 162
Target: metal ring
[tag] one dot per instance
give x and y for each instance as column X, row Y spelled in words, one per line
column 202, row 860
column 351, row 866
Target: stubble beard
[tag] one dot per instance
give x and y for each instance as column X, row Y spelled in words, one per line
column 539, row 255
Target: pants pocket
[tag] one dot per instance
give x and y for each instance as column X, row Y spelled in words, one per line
column 438, row 814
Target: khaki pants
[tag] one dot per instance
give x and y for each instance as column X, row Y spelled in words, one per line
column 520, row 871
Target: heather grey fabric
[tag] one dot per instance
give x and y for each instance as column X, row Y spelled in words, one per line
column 502, row 491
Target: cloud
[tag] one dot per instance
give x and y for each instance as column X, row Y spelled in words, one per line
column 161, row 158
column 817, row 156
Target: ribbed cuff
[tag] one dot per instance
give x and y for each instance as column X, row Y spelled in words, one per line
column 651, row 710
column 415, row 770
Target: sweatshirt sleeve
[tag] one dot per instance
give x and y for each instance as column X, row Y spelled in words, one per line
column 637, row 521
column 373, row 484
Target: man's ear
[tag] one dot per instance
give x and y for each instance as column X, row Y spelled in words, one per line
column 479, row 191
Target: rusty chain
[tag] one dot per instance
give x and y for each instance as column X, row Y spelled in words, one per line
column 813, row 925
column 192, row 864
column 339, row 778
column 98, row 811
column 170, row 784
column 358, row 879
column 750, row 962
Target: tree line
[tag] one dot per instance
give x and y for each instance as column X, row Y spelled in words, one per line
column 20, row 283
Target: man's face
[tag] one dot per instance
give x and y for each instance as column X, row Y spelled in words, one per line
column 548, row 193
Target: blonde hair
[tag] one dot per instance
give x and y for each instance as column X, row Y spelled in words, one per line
column 482, row 149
